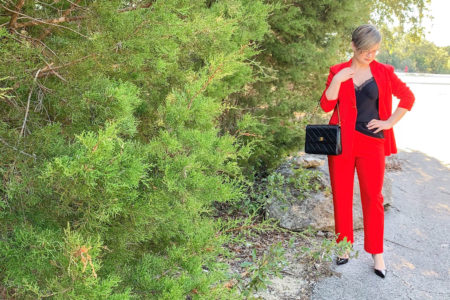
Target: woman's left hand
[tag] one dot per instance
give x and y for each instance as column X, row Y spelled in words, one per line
column 379, row 125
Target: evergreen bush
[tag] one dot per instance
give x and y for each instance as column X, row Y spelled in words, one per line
column 108, row 185
column 123, row 122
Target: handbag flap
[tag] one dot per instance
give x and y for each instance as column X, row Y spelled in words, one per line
column 324, row 134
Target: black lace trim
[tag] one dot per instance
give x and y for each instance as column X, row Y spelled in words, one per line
column 362, row 85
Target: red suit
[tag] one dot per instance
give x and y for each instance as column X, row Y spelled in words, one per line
column 365, row 153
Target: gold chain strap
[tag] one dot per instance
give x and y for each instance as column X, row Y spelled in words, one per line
column 317, row 107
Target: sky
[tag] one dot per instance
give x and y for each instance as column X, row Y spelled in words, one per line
column 439, row 27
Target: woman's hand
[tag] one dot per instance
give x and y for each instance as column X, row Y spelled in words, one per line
column 332, row 91
column 379, row 125
column 344, row 74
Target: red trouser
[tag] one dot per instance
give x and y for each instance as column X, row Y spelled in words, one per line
column 369, row 159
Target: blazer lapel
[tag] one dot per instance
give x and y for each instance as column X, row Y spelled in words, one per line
column 348, row 86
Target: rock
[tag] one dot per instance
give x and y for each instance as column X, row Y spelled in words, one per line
column 317, row 209
column 393, row 163
column 286, row 170
column 314, row 211
column 309, row 161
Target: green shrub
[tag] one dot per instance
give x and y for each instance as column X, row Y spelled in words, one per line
column 122, row 125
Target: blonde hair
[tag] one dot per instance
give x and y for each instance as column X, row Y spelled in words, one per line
column 365, row 37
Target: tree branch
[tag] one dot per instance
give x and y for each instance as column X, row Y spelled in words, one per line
column 64, row 15
column 24, row 153
column 205, row 85
column 44, row 71
column 49, row 68
column 35, row 40
column 13, row 21
column 52, row 21
column 28, row 103
column 64, row 18
column 76, row 4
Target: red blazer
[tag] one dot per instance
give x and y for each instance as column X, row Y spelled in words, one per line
column 388, row 84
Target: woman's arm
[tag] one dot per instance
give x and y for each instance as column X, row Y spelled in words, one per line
column 326, row 104
column 331, row 92
column 389, row 123
column 396, row 116
column 402, row 92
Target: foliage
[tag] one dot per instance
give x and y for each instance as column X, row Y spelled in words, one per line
column 407, row 14
column 326, row 248
column 49, row 263
column 418, row 54
column 124, row 121
column 121, row 145
column 271, row 262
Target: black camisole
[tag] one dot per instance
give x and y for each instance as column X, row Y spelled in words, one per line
column 367, row 106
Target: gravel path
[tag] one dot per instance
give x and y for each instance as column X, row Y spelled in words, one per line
column 416, row 245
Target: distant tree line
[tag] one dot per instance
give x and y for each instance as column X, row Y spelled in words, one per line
column 415, row 53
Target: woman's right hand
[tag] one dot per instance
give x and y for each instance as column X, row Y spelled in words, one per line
column 344, row 74
column 332, row 91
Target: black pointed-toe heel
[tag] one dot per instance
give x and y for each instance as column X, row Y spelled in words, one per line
column 381, row 273
column 341, row 261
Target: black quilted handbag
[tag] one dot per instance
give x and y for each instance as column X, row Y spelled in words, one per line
column 324, row 139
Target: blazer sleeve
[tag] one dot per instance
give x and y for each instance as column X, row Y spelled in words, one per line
column 327, row 105
column 401, row 91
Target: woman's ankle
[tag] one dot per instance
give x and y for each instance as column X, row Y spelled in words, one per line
column 346, row 254
column 378, row 261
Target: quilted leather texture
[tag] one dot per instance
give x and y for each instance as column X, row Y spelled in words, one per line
column 323, row 139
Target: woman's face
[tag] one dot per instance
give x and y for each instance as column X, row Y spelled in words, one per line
column 365, row 56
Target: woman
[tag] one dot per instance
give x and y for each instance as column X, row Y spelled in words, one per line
column 364, row 89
